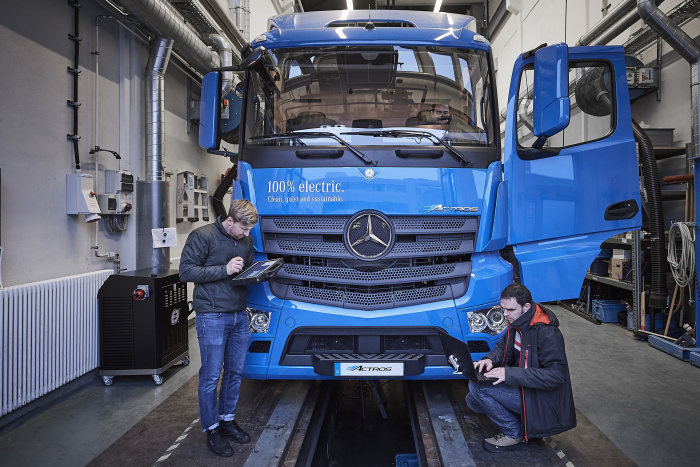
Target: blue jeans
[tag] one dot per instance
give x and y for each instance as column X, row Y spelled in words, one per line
column 223, row 341
column 501, row 403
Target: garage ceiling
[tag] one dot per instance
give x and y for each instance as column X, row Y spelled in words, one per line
column 474, row 8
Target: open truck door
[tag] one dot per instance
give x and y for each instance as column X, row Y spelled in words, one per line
column 570, row 165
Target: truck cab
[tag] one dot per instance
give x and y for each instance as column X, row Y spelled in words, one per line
column 372, row 151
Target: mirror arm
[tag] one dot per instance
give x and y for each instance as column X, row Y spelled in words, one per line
column 531, row 53
column 229, row 68
column 539, row 142
column 224, row 152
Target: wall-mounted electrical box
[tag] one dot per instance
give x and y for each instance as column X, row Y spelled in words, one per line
column 192, row 197
column 119, row 192
column 80, row 195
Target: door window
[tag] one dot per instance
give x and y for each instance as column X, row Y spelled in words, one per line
column 592, row 106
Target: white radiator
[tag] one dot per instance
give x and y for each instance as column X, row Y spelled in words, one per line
column 49, row 336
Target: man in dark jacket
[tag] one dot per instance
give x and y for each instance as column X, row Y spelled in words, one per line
column 212, row 255
column 535, row 399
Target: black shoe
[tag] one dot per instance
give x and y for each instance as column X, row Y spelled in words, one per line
column 218, row 444
column 234, row 432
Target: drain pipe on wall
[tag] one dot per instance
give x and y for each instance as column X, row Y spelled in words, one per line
column 152, row 192
column 689, row 50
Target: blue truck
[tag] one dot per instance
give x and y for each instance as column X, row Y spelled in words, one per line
column 372, row 149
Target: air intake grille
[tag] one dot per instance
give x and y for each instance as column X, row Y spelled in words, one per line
column 478, row 347
column 259, row 347
column 429, row 261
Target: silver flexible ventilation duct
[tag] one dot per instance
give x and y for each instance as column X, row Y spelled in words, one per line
column 155, row 105
column 165, row 20
column 152, row 193
column 223, row 48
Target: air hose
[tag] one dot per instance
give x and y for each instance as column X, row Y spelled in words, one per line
column 217, row 199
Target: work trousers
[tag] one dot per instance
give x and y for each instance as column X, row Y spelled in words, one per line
column 223, row 342
column 501, row 403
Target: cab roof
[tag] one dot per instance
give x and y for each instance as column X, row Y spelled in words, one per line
column 343, row 27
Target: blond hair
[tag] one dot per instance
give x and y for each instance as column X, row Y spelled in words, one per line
column 243, row 211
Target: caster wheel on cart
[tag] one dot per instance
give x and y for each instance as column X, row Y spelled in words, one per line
column 108, row 380
column 158, row 379
column 185, row 361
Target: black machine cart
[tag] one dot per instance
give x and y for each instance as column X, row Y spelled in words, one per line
column 143, row 324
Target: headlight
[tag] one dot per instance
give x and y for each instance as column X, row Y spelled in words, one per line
column 490, row 320
column 496, row 319
column 477, row 321
column 259, row 321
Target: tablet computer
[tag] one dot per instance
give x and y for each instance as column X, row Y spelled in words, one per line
column 258, row 272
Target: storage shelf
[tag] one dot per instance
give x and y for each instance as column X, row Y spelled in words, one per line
column 610, row 281
column 663, row 152
column 619, row 241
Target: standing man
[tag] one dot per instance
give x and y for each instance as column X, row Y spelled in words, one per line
column 531, row 397
column 212, row 255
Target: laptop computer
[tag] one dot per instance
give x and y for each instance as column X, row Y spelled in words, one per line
column 458, row 356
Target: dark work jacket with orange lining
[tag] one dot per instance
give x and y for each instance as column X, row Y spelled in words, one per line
column 541, row 372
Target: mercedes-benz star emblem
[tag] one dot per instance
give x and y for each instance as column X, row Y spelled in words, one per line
column 369, row 235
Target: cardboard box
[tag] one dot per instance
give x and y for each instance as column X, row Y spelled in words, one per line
column 621, row 253
column 616, row 268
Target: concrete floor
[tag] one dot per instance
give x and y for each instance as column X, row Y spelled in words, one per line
column 644, row 400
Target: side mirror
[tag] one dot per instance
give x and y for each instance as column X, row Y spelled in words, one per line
column 551, row 92
column 210, row 111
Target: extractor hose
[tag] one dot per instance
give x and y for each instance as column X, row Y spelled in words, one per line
column 217, row 199
column 659, row 291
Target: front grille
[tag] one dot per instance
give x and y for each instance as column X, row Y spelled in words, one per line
column 429, row 261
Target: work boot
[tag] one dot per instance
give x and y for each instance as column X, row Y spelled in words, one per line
column 501, row 442
column 234, row 432
column 218, row 444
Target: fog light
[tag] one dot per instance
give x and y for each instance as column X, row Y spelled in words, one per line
column 259, row 321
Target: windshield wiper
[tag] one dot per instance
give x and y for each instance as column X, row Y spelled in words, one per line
column 413, row 134
column 318, row 134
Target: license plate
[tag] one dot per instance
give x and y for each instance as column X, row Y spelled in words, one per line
column 368, row 369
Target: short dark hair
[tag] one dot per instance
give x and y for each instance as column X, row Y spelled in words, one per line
column 519, row 292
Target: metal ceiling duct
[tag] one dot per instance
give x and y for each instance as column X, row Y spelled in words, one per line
column 607, row 22
column 688, row 49
column 166, row 21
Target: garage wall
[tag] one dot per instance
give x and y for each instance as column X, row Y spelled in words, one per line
column 39, row 240
column 534, row 22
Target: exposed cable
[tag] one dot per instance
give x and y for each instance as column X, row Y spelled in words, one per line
column 682, row 263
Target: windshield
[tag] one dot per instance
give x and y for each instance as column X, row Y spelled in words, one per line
column 350, row 90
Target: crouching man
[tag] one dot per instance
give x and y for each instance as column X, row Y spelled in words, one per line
column 531, row 397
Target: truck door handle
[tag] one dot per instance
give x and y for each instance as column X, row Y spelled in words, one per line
column 622, row 210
